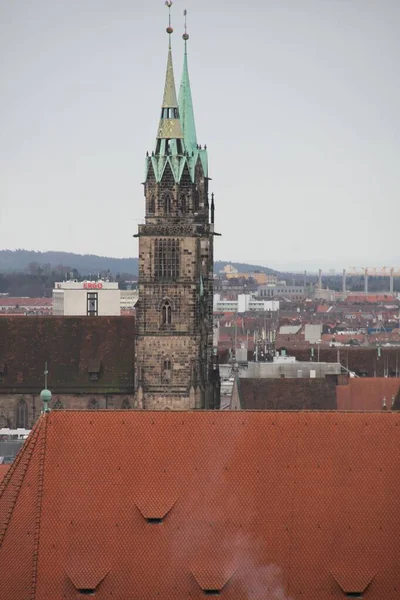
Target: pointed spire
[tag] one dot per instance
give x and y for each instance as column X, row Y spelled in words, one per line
column 170, row 126
column 185, row 101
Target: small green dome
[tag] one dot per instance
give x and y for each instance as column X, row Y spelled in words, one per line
column 45, row 395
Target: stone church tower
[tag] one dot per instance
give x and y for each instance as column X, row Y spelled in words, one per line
column 176, row 367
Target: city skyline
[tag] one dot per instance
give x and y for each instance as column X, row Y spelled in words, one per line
column 297, row 106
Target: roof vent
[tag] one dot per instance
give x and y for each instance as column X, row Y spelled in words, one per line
column 212, row 576
column 154, row 521
column 155, row 506
column 94, row 368
column 352, row 578
column 87, row 592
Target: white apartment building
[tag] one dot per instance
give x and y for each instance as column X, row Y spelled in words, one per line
column 87, row 298
column 244, row 303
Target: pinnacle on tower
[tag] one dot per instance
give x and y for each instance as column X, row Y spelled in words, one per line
column 185, row 101
column 169, row 133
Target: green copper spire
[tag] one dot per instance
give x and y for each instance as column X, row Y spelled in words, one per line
column 186, row 104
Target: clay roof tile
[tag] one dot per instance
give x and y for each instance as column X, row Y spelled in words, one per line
column 261, row 504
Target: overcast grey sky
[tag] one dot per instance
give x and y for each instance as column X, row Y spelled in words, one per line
column 297, row 100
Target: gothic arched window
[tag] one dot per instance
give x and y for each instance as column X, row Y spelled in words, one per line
column 166, row 375
column 152, row 204
column 166, row 259
column 126, row 405
column 183, row 203
column 167, row 204
column 58, row 405
column 22, row 414
column 3, row 421
column 166, row 313
column 93, row 404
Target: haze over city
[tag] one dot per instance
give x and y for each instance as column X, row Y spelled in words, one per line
column 297, row 102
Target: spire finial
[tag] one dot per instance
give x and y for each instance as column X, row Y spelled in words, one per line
column 185, row 35
column 169, row 3
column 45, row 395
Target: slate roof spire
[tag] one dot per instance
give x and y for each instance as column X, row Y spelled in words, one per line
column 170, row 127
column 185, row 101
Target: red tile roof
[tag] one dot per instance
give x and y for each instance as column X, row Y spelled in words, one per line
column 3, row 470
column 370, row 298
column 343, row 338
column 367, row 393
column 299, row 505
column 25, row 302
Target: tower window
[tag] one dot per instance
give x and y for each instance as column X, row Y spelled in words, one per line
column 183, row 203
column 166, row 313
column 167, row 204
column 152, row 204
column 22, row 414
column 169, row 113
column 167, row 370
column 166, row 259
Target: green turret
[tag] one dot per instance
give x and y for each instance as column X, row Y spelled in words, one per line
column 45, row 396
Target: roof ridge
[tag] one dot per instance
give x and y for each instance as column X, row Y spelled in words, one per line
column 25, row 454
column 42, row 438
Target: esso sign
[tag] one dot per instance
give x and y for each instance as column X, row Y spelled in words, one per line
column 93, row 286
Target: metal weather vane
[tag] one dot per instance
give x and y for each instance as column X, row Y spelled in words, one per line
column 185, row 35
column 169, row 3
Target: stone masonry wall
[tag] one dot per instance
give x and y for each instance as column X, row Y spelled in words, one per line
column 12, row 416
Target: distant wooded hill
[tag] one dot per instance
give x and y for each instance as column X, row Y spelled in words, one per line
column 28, row 261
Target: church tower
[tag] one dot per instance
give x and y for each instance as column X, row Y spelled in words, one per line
column 176, row 367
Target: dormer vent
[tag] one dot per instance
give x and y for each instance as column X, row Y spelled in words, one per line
column 94, row 367
column 154, row 521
